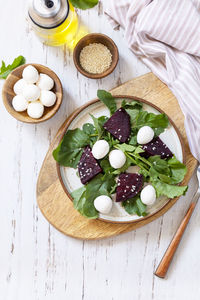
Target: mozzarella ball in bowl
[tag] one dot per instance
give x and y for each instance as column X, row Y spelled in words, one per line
column 47, row 98
column 35, row 110
column 30, row 74
column 103, row 204
column 19, row 86
column 19, row 103
column 31, row 92
column 117, row 159
column 100, row 149
column 145, row 135
column 148, row 195
column 45, row 82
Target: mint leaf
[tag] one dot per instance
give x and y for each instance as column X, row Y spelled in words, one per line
column 84, row 4
column 134, row 206
column 5, row 71
column 69, row 152
column 108, row 100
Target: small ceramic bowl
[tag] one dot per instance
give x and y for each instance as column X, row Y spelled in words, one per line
column 96, row 38
column 8, row 94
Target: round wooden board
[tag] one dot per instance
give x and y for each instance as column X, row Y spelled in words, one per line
column 53, row 201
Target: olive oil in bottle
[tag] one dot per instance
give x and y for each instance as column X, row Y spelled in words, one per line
column 55, row 22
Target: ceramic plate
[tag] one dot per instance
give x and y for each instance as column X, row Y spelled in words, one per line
column 70, row 181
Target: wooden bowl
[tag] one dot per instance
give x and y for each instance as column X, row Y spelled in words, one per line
column 96, row 38
column 8, row 94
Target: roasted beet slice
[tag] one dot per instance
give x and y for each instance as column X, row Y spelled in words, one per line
column 128, row 186
column 119, row 125
column 156, row 147
column 88, row 166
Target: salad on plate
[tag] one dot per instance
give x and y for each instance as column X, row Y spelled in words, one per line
column 122, row 159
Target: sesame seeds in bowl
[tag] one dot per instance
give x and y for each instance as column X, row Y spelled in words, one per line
column 96, row 56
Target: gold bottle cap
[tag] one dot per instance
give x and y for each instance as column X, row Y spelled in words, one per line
column 48, row 13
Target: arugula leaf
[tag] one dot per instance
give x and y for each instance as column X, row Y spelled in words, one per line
column 134, row 104
column 171, row 191
column 89, row 128
column 100, row 185
column 160, row 165
column 169, row 171
column 84, row 4
column 125, row 147
column 69, row 152
column 77, row 196
column 157, row 122
column 6, row 70
column 135, row 206
column 108, row 100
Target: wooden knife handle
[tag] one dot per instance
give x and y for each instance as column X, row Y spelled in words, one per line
column 167, row 258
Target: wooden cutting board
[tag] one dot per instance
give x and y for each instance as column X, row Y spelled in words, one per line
column 53, row 201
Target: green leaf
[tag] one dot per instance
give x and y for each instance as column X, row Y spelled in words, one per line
column 5, row 71
column 100, row 185
column 125, row 147
column 84, row 4
column 89, row 128
column 69, row 152
column 160, row 165
column 171, row 191
column 157, row 122
column 134, row 206
column 132, row 105
column 133, row 113
column 77, row 195
column 108, row 100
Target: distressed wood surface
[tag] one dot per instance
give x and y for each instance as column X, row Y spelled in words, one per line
column 36, row 261
column 58, row 208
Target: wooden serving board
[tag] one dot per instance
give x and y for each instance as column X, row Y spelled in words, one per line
column 53, row 201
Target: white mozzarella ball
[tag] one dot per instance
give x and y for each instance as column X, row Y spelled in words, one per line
column 148, row 195
column 45, row 82
column 103, row 204
column 30, row 74
column 19, row 103
column 145, row 135
column 31, row 92
column 117, row 159
column 100, row 149
column 35, row 110
column 47, row 98
column 19, row 86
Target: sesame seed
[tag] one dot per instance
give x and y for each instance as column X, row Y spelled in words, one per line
column 95, row 58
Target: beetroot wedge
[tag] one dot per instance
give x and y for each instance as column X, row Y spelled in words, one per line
column 88, row 166
column 119, row 125
column 156, row 147
column 128, row 186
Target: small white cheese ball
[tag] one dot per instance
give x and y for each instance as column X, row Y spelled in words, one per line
column 117, row 159
column 100, row 149
column 145, row 135
column 31, row 92
column 103, row 204
column 35, row 110
column 19, row 103
column 19, row 86
column 45, row 82
column 47, row 98
column 30, row 74
column 148, row 195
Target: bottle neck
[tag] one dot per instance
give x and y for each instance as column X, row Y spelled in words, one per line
column 48, row 17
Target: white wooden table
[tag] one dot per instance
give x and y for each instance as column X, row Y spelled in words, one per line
column 36, row 261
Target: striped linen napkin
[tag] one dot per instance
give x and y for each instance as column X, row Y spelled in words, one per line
column 165, row 35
